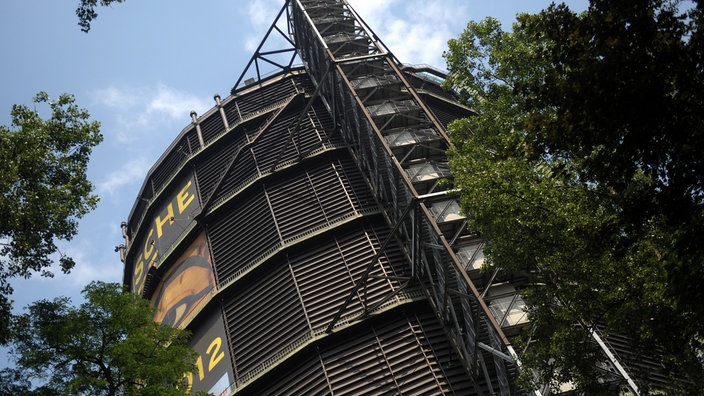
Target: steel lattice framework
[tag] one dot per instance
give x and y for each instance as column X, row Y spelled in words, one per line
column 398, row 142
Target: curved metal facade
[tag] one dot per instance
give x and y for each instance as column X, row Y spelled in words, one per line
column 304, row 230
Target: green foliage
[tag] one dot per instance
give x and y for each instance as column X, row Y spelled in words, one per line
column 86, row 11
column 584, row 168
column 109, row 345
column 43, row 188
column 12, row 382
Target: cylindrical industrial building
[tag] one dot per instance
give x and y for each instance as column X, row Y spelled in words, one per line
column 305, row 231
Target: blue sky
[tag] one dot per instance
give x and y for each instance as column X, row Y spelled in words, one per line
column 146, row 64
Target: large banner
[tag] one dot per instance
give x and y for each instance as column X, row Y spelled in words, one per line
column 214, row 366
column 173, row 219
column 186, row 286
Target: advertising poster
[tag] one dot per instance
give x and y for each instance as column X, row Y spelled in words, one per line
column 214, row 366
column 186, row 286
column 166, row 228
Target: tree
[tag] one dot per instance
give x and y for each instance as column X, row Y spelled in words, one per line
column 44, row 189
column 584, row 169
column 109, row 345
column 86, row 11
column 12, row 383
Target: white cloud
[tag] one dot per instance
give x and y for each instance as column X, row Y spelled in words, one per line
column 114, row 97
column 139, row 108
column 416, row 31
column 91, row 266
column 94, row 260
column 261, row 14
column 174, row 103
column 130, row 172
column 374, row 12
column 251, row 43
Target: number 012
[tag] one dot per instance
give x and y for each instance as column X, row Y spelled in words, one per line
column 215, row 353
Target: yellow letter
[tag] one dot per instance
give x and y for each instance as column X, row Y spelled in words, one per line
column 138, row 271
column 148, row 244
column 169, row 217
column 139, row 268
column 184, row 198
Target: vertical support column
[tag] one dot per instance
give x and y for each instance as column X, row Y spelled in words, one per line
column 125, row 234
column 198, row 131
column 222, row 111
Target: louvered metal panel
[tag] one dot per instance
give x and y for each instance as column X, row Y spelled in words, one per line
column 241, row 234
column 444, row 116
column 211, row 127
column 433, row 339
column 409, row 362
column 283, row 143
column 170, row 164
column 396, row 356
column 303, row 379
column 261, row 97
column 270, row 303
column 428, row 80
column 646, row 363
column 139, row 211
column 245, row 168
column 210, row 168
column 354, row 183
column 334, row 262
column 305, row 214
column 330, row 191
column 358, row 367
column 192, row 139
